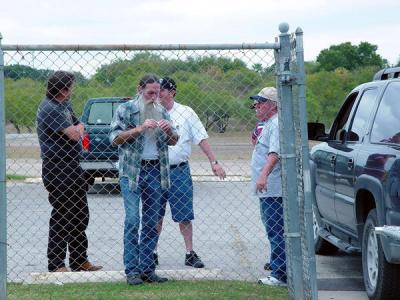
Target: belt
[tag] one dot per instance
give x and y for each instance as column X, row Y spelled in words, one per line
column 150, row 162
column 184, row 163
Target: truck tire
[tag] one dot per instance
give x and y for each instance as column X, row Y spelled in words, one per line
column 381, row 279
column 321, row 246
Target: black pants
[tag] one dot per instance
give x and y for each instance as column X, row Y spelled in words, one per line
column 70, row 215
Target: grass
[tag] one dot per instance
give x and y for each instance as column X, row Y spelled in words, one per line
column 172, row 290
column 15, row 177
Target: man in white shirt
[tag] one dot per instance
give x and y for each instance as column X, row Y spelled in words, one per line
column 180, row 195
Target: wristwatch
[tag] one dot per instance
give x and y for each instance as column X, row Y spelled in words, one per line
column 215, row 162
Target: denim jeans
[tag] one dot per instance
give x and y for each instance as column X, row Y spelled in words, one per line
column 271, row 210
column 180, row 195
column 138, row 254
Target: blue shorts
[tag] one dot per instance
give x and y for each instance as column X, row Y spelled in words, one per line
column 180, row 195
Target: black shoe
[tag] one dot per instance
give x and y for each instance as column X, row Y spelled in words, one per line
column 153, row 277
column 155, row 257
column 134, row 280
column 193, row 260
column 267, row 266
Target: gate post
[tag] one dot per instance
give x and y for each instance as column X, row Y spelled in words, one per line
column 3, row 198
column 310, row 273
column 289, row 166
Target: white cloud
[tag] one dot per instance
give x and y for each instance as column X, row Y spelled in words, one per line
column 208, row 21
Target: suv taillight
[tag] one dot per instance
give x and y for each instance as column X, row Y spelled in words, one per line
column 86, row 142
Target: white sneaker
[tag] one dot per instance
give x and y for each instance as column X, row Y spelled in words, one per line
column 271, row 280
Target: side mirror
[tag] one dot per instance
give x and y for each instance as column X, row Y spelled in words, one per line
column 352, row 136
column 316, row 132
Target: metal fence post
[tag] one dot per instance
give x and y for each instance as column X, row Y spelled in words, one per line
column 311, row 281
column 289, row 167
column 3, row 198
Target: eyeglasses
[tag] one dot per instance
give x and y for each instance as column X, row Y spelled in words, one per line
column 266, row 100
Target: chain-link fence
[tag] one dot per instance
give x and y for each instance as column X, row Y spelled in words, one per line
column 116, row 225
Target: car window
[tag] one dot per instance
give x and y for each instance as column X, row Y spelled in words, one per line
column 340, row 123
column 115, row 106
column 362, row 115
column 386, row 128
column 101, row 113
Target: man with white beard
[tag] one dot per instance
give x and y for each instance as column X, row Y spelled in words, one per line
column 142, row 130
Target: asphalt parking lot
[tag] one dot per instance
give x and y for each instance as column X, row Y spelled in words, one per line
column 228, row 235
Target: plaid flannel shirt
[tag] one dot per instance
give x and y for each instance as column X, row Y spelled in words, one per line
column 127, row 117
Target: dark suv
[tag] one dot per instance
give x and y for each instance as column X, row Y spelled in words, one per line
column 356, row 179
column 99, row 158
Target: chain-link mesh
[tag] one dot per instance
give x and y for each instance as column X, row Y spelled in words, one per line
column 51, row 156
column 227, row 232
column 301, row 142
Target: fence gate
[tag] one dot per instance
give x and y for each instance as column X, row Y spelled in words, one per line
column 216, row 81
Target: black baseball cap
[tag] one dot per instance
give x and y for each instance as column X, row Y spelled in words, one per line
column 168, row 84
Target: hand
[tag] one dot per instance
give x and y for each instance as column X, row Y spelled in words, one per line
column 149, row 123
column 164, row 125
column 261, row 184
column 80, row 128
column 218, row 170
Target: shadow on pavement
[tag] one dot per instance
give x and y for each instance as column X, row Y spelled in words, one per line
column 105, row 188
column 341, row 284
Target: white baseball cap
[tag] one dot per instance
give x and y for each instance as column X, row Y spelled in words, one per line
column 267, row 93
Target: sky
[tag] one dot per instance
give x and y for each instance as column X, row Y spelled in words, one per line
column 324, row 23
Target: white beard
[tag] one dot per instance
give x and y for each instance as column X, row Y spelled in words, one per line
column 149, row 110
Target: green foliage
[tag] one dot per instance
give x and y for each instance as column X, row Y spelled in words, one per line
column 310, row 67
column 326, row 91
column 22, row 98
column 217, row 88
column 20, row 71
column 350, row 57
column 92, row 90
column 241, row 82
column 258, row 68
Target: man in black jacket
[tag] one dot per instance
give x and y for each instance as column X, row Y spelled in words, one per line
column 59, row 133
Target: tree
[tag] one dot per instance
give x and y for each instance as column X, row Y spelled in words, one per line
column 20, row 71
column 310, row 67
column 22, row 97
column 258, row 68
column 213, row 86
column 350, row 57
column 368, row 56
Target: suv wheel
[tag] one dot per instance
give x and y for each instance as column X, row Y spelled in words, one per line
column 380, row 277
column 321, row 246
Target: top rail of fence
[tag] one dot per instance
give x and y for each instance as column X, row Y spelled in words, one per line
column 127, row 47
